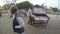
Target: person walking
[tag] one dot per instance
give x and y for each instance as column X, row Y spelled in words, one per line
column 18, row 23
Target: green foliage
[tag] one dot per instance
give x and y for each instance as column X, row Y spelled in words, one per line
column 24, row 5
column 37, row 6
column 55, row 9
column 6, row 7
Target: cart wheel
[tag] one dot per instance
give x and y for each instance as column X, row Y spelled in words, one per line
column 30, row 22
column 44, row 23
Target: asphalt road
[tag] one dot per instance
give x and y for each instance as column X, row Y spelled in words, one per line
column 53, row 27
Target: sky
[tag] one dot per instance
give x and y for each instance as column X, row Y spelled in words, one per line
column 59, row 4
column 51, row 3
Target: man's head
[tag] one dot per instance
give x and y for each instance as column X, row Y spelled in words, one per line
column 13, row 10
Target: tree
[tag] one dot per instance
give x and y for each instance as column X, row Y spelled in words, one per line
column 6, row 7
column 9, row 1
column 24, row 5
column 37, row 6
column 8, row 4
column 55, row 9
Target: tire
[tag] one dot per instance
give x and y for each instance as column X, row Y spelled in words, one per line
column 44, row 23
column 30, row 22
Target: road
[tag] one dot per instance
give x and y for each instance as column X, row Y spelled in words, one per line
column 53, row 27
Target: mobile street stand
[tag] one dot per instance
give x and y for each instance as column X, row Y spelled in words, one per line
column 39, row 16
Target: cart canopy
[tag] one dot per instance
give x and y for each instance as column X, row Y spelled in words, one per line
column 39, row 11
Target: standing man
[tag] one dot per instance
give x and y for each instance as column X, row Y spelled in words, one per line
column 31, row 16
column 18, row 23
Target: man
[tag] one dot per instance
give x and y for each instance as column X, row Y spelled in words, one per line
column 18, row 23
column 31, row 16
column 13, row 5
